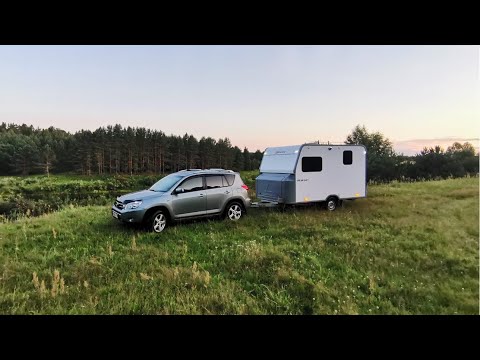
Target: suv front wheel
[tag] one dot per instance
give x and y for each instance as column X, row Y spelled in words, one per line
column 234, row 211
column 157, row 222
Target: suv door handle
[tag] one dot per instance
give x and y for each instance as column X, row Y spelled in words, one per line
column 227, row 192
column 201, row 195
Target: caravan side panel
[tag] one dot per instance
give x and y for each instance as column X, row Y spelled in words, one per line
column 346, row 181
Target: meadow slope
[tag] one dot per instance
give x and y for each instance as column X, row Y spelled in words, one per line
column 409, row 248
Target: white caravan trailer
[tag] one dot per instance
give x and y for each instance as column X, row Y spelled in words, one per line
column 311, row 173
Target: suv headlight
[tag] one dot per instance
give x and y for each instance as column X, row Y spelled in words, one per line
column 133, row 205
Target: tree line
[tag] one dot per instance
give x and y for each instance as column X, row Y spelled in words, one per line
column 384, row 164
column 118, row 150
column 113, row 150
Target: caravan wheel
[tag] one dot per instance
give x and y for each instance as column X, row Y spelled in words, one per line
column 332, row 203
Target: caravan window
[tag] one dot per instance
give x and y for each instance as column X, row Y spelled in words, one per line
column 311, row 164
column 347, row 157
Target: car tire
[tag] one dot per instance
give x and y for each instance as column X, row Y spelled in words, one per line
column 234, row 211
column 157, row 222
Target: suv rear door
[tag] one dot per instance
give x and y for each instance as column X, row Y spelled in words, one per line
column 193, row 201
column 218, row 192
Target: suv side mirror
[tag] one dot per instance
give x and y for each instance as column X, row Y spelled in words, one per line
column 179, row 190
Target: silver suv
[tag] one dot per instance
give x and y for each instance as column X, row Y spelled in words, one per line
column 184, row 195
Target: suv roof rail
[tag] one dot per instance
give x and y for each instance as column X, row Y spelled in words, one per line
column 217, row 169
column 210, row 169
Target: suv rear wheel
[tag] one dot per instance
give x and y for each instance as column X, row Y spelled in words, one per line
column 234, row 211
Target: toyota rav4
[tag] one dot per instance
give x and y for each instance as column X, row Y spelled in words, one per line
column 184, row 195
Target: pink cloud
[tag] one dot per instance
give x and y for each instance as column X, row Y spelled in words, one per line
column 412, row 147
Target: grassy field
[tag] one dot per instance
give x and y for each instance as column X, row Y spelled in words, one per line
column 406, row 249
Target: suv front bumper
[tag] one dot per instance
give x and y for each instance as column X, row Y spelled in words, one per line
column 129, row 216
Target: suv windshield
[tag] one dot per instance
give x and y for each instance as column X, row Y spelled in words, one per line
column 166, row 183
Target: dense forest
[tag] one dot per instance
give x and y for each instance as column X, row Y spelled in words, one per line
column 113, row 150
column 27, row 150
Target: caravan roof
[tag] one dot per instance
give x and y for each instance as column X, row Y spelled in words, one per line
column 280, row 159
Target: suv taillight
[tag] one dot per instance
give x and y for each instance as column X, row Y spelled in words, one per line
column 245, row 187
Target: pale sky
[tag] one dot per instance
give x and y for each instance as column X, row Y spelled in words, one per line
column 258, row 96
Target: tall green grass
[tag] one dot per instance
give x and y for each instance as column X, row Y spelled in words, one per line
column 406, row 249
column 36, row 195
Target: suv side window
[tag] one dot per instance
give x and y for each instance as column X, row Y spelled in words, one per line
column 214, row 182
column 192, row 184
column 225, row 182
column 230, row 179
